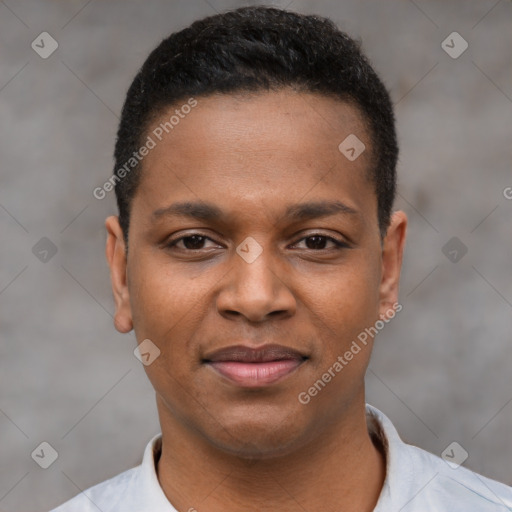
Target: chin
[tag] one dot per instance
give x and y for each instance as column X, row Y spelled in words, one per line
column 259, row 438
column 256, row 449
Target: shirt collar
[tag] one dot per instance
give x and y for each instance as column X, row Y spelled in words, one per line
column 381, row 430
column 149, row 485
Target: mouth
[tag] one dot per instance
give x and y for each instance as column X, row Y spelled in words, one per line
column 255, row 367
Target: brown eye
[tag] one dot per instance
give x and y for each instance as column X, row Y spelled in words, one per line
column 194, row 242
column 316, row 242
column 319, row 242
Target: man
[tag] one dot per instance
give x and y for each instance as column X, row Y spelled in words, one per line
column 256, row 256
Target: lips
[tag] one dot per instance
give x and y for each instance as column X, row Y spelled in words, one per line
column 254, row 367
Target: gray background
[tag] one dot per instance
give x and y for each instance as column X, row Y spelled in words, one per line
column 441, row 369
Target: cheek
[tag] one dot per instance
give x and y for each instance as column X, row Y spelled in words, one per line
column 160, row 300
column 343, row 305
column 343, row 315
column 350, row 293
column 169, row 307
column 165, row 312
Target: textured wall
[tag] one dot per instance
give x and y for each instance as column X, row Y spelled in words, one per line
column 441, row 369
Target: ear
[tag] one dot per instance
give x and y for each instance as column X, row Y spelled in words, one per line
column 116, row 256
column 392, row 252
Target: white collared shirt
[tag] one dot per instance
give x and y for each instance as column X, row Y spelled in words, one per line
column 416, row 481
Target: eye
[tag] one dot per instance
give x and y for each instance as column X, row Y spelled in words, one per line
column 318, row 242
column 192, row 242
column 198, row 241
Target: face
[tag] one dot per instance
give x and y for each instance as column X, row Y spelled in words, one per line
column 255, row 261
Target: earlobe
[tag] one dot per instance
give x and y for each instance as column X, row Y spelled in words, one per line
column 392, row 253
column 115, row 252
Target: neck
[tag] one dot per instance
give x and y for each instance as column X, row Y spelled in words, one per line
column 339, row 470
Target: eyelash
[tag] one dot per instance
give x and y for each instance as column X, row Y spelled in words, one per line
column 338, row 243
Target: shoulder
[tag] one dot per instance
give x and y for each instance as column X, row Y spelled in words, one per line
column 417, row 480
column 106, row 496
column 455, row 489
column 136, row 489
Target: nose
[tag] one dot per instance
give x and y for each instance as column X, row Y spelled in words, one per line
column 256, row 290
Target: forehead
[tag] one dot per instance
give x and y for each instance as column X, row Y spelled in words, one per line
column 253, row 120
column 267, row 146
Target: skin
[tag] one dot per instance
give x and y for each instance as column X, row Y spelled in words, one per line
column 228, row 448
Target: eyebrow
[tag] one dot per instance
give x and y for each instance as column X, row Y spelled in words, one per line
column 209, row 212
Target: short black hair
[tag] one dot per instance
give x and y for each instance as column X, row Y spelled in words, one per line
column 257, row 49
